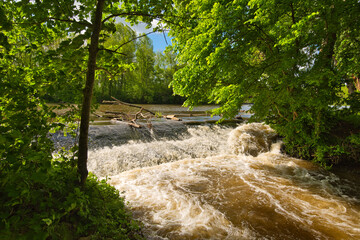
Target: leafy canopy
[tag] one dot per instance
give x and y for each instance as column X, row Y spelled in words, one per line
column 289, row 58
column 44, row 45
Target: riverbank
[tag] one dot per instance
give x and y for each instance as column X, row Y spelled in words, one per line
column 103, row 113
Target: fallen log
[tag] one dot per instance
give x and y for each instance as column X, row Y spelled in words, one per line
column 109, row 102
column 115, row 120
column 176, row 119
column 112, row 115
column 133, row 124
column 169, row 116
column 172, row 117
column 97, row 115
column 112, row 112
column 129, row 104
column 117, row 113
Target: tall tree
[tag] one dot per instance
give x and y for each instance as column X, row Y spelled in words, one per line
column 45, row 44
column 145, row 59
column 165, row 68
column 87, row 21
column 290, row 58
column 116, row 69
column 88, row 91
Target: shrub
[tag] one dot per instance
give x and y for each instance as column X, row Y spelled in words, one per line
column 50, row 205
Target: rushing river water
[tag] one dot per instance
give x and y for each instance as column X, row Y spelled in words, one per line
column 216, row 182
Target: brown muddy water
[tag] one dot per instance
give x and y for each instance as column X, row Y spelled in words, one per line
column 218, row 182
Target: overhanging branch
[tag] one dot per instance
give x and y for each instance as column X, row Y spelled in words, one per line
column 105, row 70
column 129, row 41
column 133, row 39
column 113, row 51
column 84, row 23
column 130, row 14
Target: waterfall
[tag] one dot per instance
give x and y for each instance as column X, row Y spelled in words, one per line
column 217, row 182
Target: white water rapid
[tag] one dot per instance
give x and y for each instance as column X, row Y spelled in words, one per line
column 225, row 183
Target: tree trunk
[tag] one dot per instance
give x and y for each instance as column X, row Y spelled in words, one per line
column 351, row 87
column 88, row 90
column 356, row 83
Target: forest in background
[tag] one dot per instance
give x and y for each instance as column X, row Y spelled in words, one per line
column 137, row 75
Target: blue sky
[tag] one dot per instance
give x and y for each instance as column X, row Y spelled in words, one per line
column 158, row 39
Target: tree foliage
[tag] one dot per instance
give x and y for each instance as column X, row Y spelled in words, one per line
column 89, row 24
column 289, row 58
column 45, row 45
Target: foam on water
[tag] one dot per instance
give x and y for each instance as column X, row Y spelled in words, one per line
column 216, row 185
column 251, row 139
column 200, row 141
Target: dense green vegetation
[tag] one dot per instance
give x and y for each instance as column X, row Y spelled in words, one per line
column 46, row 49
column 290, row 58
column 40, row 196
column 137, row 75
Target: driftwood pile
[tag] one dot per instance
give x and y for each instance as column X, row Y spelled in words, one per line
column 131, row 119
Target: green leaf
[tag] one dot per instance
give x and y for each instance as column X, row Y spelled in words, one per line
column 48, row 221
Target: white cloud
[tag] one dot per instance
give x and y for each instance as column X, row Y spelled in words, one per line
column 140, row 27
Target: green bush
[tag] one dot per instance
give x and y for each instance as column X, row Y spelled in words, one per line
column 50, row 205
column 40, row 197
column 331, row 140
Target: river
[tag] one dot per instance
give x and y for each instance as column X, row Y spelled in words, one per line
column 222, row 182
